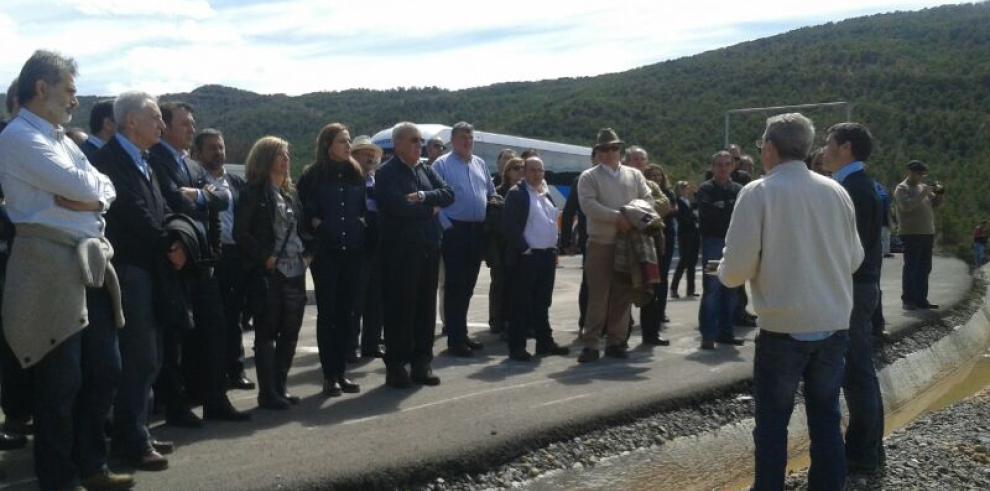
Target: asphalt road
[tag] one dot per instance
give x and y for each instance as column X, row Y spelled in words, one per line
column 485, row 404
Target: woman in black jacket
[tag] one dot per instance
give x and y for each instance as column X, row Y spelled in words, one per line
column 688, row 239
column 332, row 192
column 498, row 304
column 275, row 252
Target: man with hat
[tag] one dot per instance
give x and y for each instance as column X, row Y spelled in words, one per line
column 368, row 318
column 915, row 201
column 602, row 190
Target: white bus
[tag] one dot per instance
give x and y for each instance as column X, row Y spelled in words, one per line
column 563, row 162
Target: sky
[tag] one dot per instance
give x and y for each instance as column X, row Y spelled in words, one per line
column 302, row 46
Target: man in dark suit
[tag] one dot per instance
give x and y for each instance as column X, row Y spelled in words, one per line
column 530, row 221
column 101, row 128
column 209, row 149
column 143, row 252
column 410, row 195
column 196, row 357
column 846, row 149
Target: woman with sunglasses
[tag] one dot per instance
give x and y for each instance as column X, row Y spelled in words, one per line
column 498, row 306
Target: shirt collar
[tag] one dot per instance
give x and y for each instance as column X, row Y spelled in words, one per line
column 96, row 141
column 131, row 149
column 54, row 131
column 853, row 167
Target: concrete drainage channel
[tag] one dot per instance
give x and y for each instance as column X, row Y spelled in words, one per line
column 709, row 444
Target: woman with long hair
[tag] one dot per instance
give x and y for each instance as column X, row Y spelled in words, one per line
column 332, row 192
column 498, row 304
column 266, row 227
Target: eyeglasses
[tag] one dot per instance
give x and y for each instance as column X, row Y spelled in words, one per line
column 610, row 148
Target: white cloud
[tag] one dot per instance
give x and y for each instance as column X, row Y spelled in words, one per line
column 297, row 46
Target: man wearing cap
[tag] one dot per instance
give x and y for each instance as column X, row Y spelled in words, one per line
column 916, row 201
column 368, row 311
column 602, row 190
column 463, row 223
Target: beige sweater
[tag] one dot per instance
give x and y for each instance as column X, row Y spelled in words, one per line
column 601, row 194
column 915, row 208
column 793, row 237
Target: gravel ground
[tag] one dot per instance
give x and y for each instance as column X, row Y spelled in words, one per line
column 948, row 449
column 695, row 417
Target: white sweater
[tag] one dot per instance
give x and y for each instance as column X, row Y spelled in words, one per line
column 793, row 237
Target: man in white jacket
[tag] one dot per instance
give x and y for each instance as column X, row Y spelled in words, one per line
column 793, row 237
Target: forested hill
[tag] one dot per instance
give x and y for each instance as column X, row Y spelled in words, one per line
column 919, row 80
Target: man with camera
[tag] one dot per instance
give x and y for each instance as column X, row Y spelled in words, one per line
column 916, row 201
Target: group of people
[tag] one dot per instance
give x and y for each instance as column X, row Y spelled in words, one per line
column 137, row 258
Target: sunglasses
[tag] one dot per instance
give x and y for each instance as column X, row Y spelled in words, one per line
column 610, row 148
column 417, row 140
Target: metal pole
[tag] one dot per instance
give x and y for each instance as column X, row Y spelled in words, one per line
column 726, row 130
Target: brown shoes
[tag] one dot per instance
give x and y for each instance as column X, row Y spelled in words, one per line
column 108, row 481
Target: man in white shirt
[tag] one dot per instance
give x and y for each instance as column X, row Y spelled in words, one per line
column 530, row 220
column 57, row 199
column 793, row 237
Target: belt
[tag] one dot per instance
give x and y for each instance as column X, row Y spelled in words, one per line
column 772, row 334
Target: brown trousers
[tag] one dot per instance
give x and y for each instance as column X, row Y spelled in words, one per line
column 609, row 298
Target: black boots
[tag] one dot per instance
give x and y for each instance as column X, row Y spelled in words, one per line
column 269, row 397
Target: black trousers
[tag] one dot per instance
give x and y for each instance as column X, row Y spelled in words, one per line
column 366, row 324
column 917, row 267
column 688, row 245
column 462, row 247
column 532, row 293
column 336, row 274
column 233, row 292
column 16, row 383
column 410, row 302
column 666, row 258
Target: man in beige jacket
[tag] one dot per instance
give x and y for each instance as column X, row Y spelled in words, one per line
column 602, row 190
column 793, row 237
column 916, row 201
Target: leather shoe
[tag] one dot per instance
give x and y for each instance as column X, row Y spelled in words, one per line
column 423, row 375
column 674, row 294
column 731, row 340
column 291, row 398
column 331, row 388
column 520, row 355
column 241, row 382
column 10, row 441
column 377, row 353
column 163, row 447
column 746, row 321
column 552, row 349
column 616, row 351
column 930, row 306
column 183, row 418
column 348, row 386
column 150, row 460
column 18, row 426
column 108, row 481
column 707, row 344
column 460, row 351
column 475, row 345
column 397, row 378
column 910, row 306
column 224, row 411
column 695, row 295
column 352, row 357
column 656, row 341
column 588, row 355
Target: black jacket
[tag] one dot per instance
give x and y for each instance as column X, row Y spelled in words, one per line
column 135, row 220
column 869, row 219
column 254, row 225
column 713, row 220
column 403, row 222
column 88, row 149
column 572, row 210
column 170, row 179
column 335, row 194
column 687, row 221
column 514, row 218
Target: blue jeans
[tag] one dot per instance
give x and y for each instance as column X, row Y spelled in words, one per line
column 781, row 362
column 917, row 267
column 717, row 302
column 141, row 359
column 979, row 254
column 864, row 435
column 75, row 384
